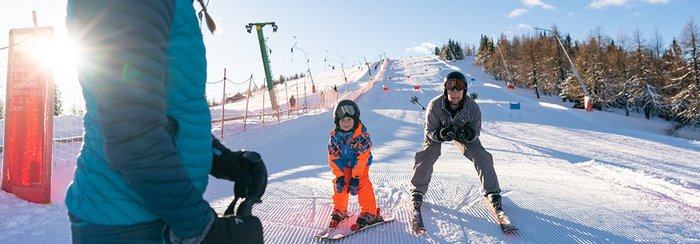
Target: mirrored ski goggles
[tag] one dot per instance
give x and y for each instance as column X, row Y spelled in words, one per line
column 345, row 111
column 455, row 85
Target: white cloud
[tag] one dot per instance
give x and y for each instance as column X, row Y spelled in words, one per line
column 637, row 14
column 539, row 3
column 517, row 12
column 426, row 47
column 524, row 26
column 570, row 14
column 606, row 3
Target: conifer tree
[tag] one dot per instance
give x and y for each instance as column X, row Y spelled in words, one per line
column 617, row 69
column 591, row 60
column 643, row 93
column 686, row 104
column 499, row 62
column 532, row 68
column 558, row 67
column 673, row 68
column 485, row 52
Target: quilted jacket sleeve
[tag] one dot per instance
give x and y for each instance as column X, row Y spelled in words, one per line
column 125, row 71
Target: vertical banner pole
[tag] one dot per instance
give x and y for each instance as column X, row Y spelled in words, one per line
column 28, row 132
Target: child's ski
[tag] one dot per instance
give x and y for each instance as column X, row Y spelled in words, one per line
column 342, row 233
column 329, row 230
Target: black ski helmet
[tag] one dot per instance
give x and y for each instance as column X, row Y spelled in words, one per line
column 455, row 75
column 346, row 108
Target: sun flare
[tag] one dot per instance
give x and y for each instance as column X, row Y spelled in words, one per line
column 60, row 54
column 57, row 55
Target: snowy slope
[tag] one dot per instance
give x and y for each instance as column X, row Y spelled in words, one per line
column 567, row 175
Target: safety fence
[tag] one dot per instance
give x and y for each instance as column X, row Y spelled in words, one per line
column 299, row 100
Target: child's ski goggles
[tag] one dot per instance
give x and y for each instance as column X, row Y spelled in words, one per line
column 345, row 111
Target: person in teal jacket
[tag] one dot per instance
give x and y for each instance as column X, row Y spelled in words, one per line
column 148, row 150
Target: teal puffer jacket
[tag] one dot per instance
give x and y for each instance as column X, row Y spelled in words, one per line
column 147, row 149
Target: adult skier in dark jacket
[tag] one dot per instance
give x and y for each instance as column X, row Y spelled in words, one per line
column 454, row 116
column 148, row 151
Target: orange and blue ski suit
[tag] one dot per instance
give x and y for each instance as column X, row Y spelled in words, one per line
column 349, row 155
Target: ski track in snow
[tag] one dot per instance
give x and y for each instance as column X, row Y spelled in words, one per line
column 567, row 176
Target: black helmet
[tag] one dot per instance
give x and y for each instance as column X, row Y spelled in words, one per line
column 346, row 108
column 455, row 75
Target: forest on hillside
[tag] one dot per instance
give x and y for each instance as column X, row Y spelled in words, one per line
column 631, row 72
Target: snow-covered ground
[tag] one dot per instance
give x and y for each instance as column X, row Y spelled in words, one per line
column 568, row 176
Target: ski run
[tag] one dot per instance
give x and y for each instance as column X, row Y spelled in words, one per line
column 568, row 176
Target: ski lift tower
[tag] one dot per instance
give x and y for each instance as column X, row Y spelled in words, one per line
column 266, row 60
column 342, row 64
column 587, row 101
column 308, row 69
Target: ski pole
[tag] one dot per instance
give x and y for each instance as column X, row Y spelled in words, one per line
column 414, row 100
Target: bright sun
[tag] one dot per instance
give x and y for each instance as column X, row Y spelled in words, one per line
column 60, row 54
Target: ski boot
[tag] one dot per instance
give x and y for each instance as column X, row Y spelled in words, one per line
column 366, row 219
column 417, row 199
column 336, row 217
column 417, row 218
column 495, row 199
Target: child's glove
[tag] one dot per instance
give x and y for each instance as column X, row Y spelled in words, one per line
column 354, row 186
column 340, row 184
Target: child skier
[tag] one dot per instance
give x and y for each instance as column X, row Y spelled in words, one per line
column 349, row 157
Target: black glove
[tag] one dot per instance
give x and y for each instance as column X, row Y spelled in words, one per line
column 446, row 134
column 339, row 184
column 465, row 134
column 354, row 186
column 235, row 229
column 245, row 168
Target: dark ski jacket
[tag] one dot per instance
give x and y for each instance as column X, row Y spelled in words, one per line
column 438, row 116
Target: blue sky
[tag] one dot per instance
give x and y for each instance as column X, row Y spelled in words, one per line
column 355, row 30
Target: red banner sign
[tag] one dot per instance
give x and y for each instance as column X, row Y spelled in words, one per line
column 28, row 116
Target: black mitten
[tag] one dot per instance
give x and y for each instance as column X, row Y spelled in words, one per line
column 235, row 229
column 446, row 134
column 245, row 168
column 465, row 134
